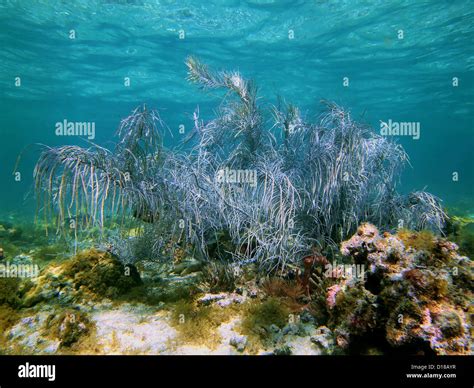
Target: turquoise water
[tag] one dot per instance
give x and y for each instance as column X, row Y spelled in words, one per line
column 399, row 57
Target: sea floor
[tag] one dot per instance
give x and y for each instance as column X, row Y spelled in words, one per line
column 91, row 303
column 137, row 329
column 71, row 320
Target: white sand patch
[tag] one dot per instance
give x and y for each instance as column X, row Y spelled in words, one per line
column 302, row 346
column 123, row 331
column 27, row 334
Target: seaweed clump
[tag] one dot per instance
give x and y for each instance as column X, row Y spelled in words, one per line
column 411, row 299
column 90, row 275
column 11, row 294
column 100, row 273
column 423, row 240
column 461, row 231
column 218, row 277
column 198, row 324
column 68, row 327
column 291, row 293
column 261, row 319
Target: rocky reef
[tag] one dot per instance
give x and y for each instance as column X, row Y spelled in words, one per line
column 403, row 293
column 416, row 294
column 89, row 275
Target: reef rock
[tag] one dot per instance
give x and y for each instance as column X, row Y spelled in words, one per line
column 222, row 299
column 323, row 339
column 239, row 342
column 415, row 295
column 89, row 275
column 68, row 327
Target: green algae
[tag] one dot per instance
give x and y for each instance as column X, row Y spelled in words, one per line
column 450, row 324
column 259, row 316
column 90, row 275
column 10, row 292
column 101, row 274
column 50, row 252
column 68, row 326
column 198, row 324
column 156, row 293
column 13, row 290
column 421, row 241
column 8, row 318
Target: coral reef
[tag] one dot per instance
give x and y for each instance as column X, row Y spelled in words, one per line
column 416, row 296
column 410, row 300
column 227, row 243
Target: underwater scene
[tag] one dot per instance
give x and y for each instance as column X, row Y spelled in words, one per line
column 234, row 177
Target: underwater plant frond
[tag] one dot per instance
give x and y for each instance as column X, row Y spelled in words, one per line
column 78, row 182
column 420, row 210
column 238, row 129
column 140, row 140
column 201, row 75
column 274, row 195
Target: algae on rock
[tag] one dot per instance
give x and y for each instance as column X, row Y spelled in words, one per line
column 408, row 296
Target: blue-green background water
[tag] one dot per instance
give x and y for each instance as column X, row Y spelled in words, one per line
column 82, row 79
